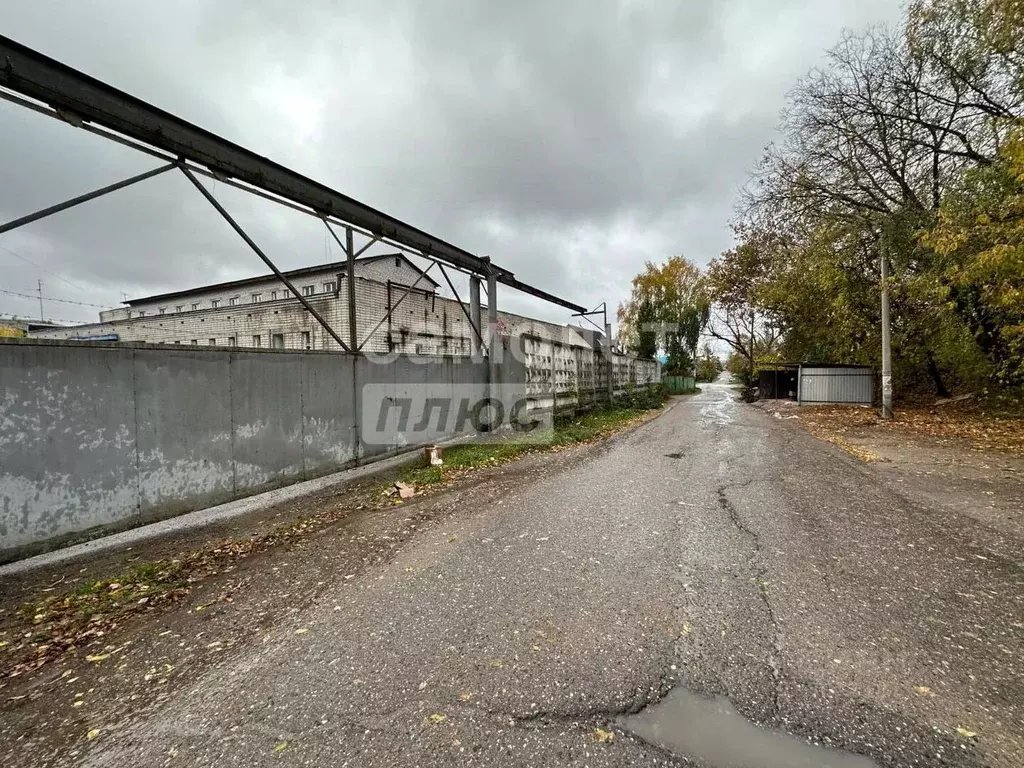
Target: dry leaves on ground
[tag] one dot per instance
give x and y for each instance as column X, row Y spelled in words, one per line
column 950, row 425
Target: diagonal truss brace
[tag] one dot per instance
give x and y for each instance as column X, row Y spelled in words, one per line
column 393, row 308
column 476, row 331
column 266, row 260
column 71, row 203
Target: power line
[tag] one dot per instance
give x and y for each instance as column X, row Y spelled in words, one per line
column 48, row 298
column 44, row 269
column 24, row 319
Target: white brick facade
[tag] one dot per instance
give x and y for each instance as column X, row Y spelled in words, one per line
column 561, row 361
column 311, row 281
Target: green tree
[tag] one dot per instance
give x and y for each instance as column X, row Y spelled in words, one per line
column 736, row 286
column 708, row 365
column 980, row 239
column 874, row 142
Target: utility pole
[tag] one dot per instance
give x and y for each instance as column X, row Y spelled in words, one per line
column 40, row 284
column 886, row 340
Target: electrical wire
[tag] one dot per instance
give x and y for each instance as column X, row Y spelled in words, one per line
column 24, row 319
column 48, row 298
column 44, row 269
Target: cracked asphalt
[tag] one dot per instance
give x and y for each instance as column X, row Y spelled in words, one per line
column 713, row 548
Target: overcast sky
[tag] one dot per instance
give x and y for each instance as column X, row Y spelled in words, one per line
column 570, row 140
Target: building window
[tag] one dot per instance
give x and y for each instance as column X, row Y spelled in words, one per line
column 231, row 341
column 142, row 313
column 257, row 298
column 195, row 341
column 195, row 305
column 180, row 308
column 177, row 342
column 398, row 261
column 329, row 287
column 277, row 340
column 163, row 310
column 233, row 301
column 256, row 341
column 213, row 342
column 308, row 290
column 214, row 303
column 273, row 295
column 306, row 340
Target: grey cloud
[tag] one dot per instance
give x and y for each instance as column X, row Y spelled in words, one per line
column 571, row 141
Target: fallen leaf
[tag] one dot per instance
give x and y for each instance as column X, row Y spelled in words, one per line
column 97, row 658
column 437, row 718
column 281, row 746
column 405, row 490
column 301, row 631
column 965, row 733
column 922, row 689
column 465, row 696
column 602, row 736
column 92, row 734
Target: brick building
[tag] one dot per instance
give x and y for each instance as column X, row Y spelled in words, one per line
column 261, row 312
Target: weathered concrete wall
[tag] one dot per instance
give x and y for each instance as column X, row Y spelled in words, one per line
column 110, row 436
column 68, row 457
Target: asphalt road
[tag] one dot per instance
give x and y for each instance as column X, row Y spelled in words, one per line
column 714, row 551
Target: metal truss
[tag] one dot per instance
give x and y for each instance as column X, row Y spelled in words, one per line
column 58, row 91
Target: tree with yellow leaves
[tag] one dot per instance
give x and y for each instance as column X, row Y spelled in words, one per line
column 667, row 309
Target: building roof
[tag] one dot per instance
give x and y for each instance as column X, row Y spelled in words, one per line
column 336, row 266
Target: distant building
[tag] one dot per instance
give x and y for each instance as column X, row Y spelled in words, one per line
column 12, row 327
column 260, row 312
column 320, row 280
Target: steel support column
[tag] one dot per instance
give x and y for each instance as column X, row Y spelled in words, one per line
column 477, row 342
column 610, row 354
column 353, row 340
column 494, row 349
column 350, row 284
column 266, row 260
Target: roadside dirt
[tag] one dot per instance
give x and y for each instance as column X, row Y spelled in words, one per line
column 941, row 458
column 229, row 601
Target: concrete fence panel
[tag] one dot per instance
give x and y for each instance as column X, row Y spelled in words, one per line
column 67, row 442
column 101, row 436
column 266, row 412
column 328, row 416
column 184, row 437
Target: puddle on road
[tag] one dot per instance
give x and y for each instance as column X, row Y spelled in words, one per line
column 711, row 731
